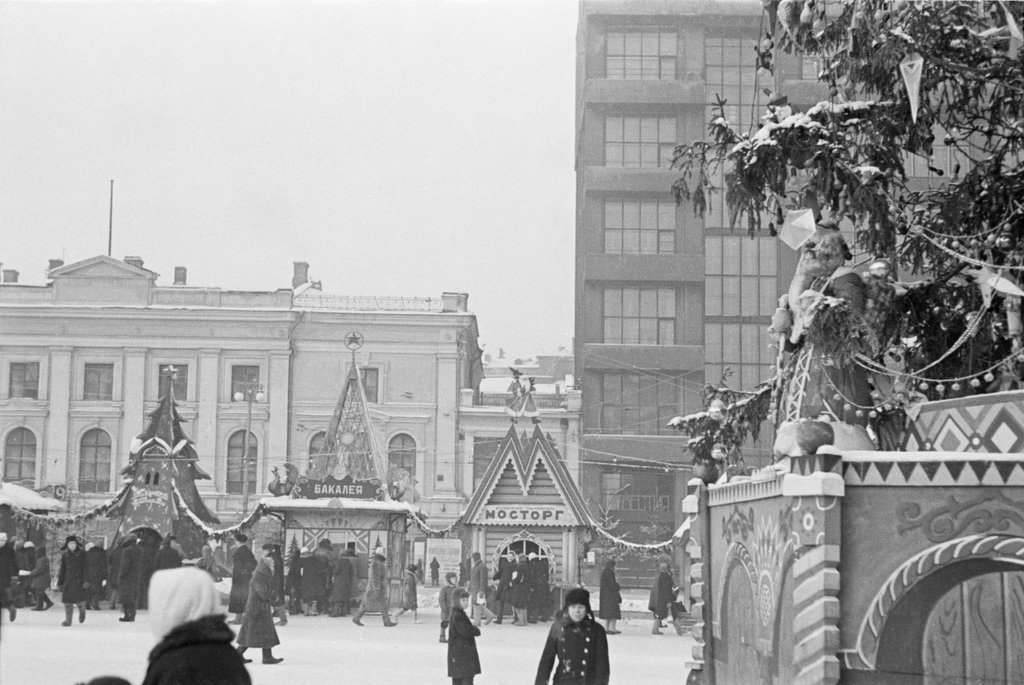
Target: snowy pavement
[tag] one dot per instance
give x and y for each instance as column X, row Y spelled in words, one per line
column 37, row 650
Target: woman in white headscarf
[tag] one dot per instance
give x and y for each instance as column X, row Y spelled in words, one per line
column 194, row 641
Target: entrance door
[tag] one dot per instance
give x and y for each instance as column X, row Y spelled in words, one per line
column 975, row 632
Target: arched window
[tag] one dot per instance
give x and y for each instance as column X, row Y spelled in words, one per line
column 94, row 462
column 402, row 453
column 236, row 459
column 20, row 456
column 316, row 444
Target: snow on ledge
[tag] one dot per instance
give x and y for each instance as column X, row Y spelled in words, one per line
column 286, row 502
column 18, row 496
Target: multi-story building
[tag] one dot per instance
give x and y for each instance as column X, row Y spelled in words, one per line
column 82, row 356
column 665, row 300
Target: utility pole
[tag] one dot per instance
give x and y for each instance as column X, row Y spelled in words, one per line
column 250, row 393
column 110, row 222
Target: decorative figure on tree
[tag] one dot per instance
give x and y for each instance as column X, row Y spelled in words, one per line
column 521, row 401
column 820, row 323
column 277, row 487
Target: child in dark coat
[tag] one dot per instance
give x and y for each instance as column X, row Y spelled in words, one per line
column 463, row 659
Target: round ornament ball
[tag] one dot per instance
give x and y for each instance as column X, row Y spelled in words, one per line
column 1005, row 241
column 989, row 377
column 923, row 386
column 975, row 383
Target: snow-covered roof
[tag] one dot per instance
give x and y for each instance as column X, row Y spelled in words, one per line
column 18, row 496
column 684, row 529
column 287, row 503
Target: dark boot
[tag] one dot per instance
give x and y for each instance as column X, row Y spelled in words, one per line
column 241, row 653
column 269, row 658
column 656, row 629
column 81, row 613
column 443, row 637
column 69, row 611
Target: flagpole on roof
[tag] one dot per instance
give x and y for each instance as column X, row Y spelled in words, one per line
column 110, row 222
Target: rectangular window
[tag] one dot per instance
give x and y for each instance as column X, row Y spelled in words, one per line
column 638, row 492
column 99, row 382
column 740, row 276
column 244, row 379
column 746, row 349
column 370, row 384
column 180, row 381
column 24, row 380
column 640, row 316
column 640, row 403
column 639, row 142
column 640, row 53
column 730, row 73
column 639, row 227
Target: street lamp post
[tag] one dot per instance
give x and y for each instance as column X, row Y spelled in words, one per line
column 249, row 394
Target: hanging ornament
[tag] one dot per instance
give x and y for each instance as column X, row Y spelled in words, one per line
column 1016, row 37
column 911, row 68
column 975, row 383
column 798, row 227
column 940, row 388
column 859, row 413
column 955, row 387
column 807, row 14
column 989, row 377
column 853, row 33
column 1005, row 242
column 923, row 387
column 873, row 414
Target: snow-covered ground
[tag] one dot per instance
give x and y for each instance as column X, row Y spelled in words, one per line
column 37, row 650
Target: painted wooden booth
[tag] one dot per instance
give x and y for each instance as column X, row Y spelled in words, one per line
column 528, row 502
column 869, row 567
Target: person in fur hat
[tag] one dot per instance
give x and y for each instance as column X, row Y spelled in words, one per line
column 463, row 659
column 96, row 570
column 129, row 576
column 72, row 580
column 375, row 598
column 579, row 642
column 258, row 618
column 194, row 641
column 242, row 567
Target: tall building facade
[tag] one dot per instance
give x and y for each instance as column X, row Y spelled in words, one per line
column 665, row 301
column 83, row 356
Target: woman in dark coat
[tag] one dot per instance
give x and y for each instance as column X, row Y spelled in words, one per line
column 375, row 597
column 579, row 642
column 129, row 576
column 195, row 642
column 503, row 594
column 280, row 610
column 243, row 564
column 463, row 659
column 341, row 585
column 39, row 580
column 610, row 598
column 258, row 621
column 520, row 594
column 663, row 594
column 294, row 580
column 315, row 576
column 72, row 580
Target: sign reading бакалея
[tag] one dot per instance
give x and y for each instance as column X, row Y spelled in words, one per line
column 329, row 487
column 537, row 514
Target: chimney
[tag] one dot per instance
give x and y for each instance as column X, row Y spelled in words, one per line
column 133, row 260
column 54, row 264
column 300, row 274
column 180, row 275
column 10, row 276
column 454, row 302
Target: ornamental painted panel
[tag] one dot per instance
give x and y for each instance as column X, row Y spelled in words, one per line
column 980, row 423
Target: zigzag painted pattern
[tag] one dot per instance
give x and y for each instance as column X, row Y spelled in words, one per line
column 982, row 423
column 947, row 471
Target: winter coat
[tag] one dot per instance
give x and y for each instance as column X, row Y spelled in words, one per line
column 444, row 601
column 663, row 593
column 409, row 590
column 278, row 563
column 8, row 568
column 258, row 621
column 376, row 596
column 582, row 650
column 477, row 580
column 341, row 588
column 610, row 597
column 39, row 577
column 316, row 575
column 113, row 566
column 435, row 569
column 520, row 595
column 294, row 575
column 463, row 659
column 166, row 557
column 243, row 564
column 129, row 574
column 209, row 564
column 96, row 566
column 71, row 578
column 504, row 577
column 197, row 653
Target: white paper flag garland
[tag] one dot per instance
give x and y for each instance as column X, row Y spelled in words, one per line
column 910, row 68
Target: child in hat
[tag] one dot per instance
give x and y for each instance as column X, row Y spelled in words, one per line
column 409, row 602
column 463, row 659
column 580, row 643
column 445, row 601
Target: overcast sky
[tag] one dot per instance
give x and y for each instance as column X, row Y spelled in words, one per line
column 401, row 148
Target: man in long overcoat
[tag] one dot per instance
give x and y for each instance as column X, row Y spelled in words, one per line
column 610, row 598
column 96, row 570
column 663, row 594
column 520, row 590
column 375, row 598
column 242, row 567
column 129, row 576
column 503, row 594
column 258, row 618
column 167, row 556
column 341, row 587
column 478, row 591
column 72, row 580
column 39, row 579
column 8, row 570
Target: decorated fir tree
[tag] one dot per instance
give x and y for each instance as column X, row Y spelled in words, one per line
column 902, row 82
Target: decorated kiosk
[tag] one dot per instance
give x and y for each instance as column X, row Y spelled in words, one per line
column 342, row 497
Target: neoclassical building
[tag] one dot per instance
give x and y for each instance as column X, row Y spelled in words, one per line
column 83, row 357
